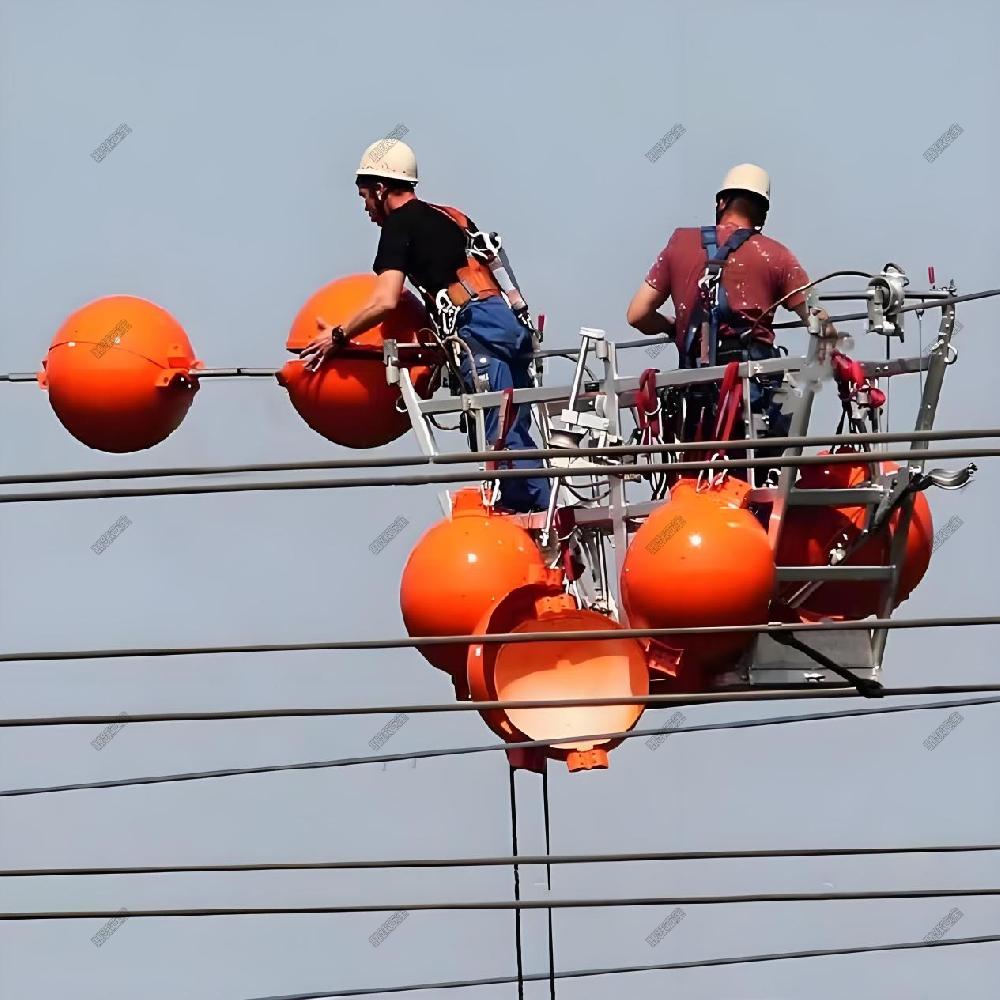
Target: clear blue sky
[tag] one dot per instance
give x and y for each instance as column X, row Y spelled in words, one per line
column 229, row 203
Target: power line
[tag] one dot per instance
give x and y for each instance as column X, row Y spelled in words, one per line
column 461, row 458
column 925, row 305
column 506, row 861
column 460, row 751
column 475, row 475
column 507, row 904
column 602, row 635
column 651, row 700
column 625, row 969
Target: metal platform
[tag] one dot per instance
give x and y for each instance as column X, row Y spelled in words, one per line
column 600, row 411
column 773, row 664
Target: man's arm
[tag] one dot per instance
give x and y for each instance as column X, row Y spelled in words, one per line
column 792, row 276
column 510, row 286
column 384, row 298
column 642, row 312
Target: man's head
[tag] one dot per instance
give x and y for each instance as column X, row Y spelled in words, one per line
column 745, row 193
column 386, row 177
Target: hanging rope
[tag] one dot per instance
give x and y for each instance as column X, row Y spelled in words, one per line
column 517, row 886
column 548, row 876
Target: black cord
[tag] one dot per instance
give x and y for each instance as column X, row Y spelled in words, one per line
column 548, row 876
column 524, row 859
column 412, row 642
column 625, row 969
column 506, row 904
column 476, row 475
column 460, row 751
column 863, row 685
column 651, row 701
column 517, row 886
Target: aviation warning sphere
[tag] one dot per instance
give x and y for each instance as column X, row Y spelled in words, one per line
column 556, row 670
column 701, row 559
column 348, row 400
column 120, row 374
column 812, row 533
column 459, row 568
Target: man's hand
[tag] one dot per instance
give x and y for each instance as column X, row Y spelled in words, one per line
column 322, row 346
column 826, row 327
column 524, row 317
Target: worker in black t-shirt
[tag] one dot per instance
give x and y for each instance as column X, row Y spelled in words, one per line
column 463, row 276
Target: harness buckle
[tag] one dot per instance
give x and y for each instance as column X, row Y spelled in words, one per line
column 447, row 311
column 483, row 246
column 713, row 478
column 708, row 283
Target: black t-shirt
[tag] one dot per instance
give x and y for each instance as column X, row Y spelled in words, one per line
column 423, row 243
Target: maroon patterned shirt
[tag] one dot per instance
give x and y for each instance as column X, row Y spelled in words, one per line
column 756, row 275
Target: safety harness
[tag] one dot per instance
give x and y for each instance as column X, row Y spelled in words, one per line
column 711, row 309
column 715, row 335
column 474, row 282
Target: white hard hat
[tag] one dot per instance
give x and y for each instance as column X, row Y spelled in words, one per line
column 747, row 177
column 389, row 158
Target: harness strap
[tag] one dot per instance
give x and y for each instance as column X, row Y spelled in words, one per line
column 564, row 522
column 730, row 399
column 647, row 403
column 712, row 303
column 475, row 280
column 505, row 420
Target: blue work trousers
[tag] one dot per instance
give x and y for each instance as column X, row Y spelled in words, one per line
column 501, row 347
column 762, row 389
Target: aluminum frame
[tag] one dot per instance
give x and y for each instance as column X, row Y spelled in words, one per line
column 594, row 408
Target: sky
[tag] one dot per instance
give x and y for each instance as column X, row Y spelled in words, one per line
column 229, row 203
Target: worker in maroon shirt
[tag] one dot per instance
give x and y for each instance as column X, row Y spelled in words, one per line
column 751, row 273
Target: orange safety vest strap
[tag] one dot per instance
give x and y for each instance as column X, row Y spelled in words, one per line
column 475, row 280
